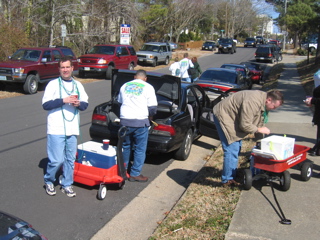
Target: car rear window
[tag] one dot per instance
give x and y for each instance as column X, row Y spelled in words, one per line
column 219, row 76
column 262, row 50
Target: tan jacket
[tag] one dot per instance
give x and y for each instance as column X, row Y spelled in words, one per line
column 241, row 113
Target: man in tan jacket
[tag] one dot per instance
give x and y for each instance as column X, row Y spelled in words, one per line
column 238, row 115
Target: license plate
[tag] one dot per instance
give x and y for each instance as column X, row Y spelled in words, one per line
column 261, row 57
column 86, row 68
column 141, row 59
column 3, row 78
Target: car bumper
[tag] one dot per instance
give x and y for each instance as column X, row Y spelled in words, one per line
column 156, row 143
column 13, row 78
column 145, row 60
column 94, row 69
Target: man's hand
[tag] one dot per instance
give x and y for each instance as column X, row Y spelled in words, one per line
column 264, row 130
column 73, row 99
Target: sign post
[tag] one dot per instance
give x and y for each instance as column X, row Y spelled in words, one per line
column 63, row 32
column 125, row 34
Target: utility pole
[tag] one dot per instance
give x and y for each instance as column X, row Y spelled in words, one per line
column 284, row 34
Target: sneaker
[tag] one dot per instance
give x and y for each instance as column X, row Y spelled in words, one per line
column 50, row 189
column 69, row 191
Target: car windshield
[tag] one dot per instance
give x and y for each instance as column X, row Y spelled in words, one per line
column 250, row 39
column 151, row 48
column 218, row 76
column 208, row 43
column 224, row 40
column 26, row 54
column 108, row 50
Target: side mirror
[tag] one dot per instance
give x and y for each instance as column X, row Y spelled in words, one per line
column 44, row 60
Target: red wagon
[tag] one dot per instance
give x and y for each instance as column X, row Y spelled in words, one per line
column 276, row 170
column 105, row 170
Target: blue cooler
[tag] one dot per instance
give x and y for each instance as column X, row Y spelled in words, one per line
column 98, row 157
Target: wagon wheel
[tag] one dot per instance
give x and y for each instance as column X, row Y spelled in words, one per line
column 102, row 192
column 306, row 171
column 247, row 179
column 285, row 181
column 121, row 185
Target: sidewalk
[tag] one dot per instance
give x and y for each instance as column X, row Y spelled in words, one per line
column 257, row 215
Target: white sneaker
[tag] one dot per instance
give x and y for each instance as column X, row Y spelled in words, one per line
column 69, row 191
column 50, row 189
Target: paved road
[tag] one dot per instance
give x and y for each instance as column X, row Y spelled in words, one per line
column 23, row 159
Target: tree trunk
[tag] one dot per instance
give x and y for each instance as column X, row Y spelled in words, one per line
column 317, row 59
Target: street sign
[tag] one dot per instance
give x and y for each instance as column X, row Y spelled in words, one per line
column 63, row 30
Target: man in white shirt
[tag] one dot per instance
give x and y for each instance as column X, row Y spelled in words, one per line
column 139, row 104
column 185, row 64
column 63, row 99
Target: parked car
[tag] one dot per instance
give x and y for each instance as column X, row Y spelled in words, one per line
column 250, row 42
column 173, row 46
column 227, row 45
column 269, row 53
column 15, row 228
column 102, row 59
column 31, row 66
column 183, row 114
column 209, row 45
column 255, row 70
column 154, row 53
column 242, row 69
column 222, row 79
column 274, row 42
column 312, row 45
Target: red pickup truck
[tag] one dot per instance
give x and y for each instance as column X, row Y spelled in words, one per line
column 31, row 66
column 103, row 58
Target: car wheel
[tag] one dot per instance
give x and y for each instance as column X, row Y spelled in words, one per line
column 82, row 74
column 184, row 151
column 312, row 49
column 280, row 58
column 245, row 46
column 155, row 62
column 31, row 84
column 2, row 86
column 166, row 62
column 131, row 66
column 109, row 72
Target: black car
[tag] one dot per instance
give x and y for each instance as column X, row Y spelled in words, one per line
column 227, row 45
column 260, row 40
column 12, row 227
column 243, row 69
column 269, row 53
column 250, row 42
column 183, row 114
column 209, row 45
column 222, row 79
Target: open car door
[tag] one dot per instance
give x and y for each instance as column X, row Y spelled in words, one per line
column 207, row 126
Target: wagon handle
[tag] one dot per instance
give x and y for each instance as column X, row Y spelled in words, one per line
column 122, row 132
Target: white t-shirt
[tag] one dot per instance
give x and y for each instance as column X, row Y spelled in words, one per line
column 184, row 66
column 65, row 120
column 173, row 67
column 136, row 96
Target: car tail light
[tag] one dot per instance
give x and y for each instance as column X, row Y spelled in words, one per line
column 99, row 119
column 269, row 55
column 164, row 130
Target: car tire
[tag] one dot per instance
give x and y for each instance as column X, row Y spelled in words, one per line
column 155, row 62
column 166, row 62
column 184, row 151
column 280, row 58
column 31, row 84
column 2, row 86
column 109, row 72
column 245, row 46
column 131, row 66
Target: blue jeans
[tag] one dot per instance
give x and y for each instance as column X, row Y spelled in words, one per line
column 61, row 152
column 231, row 153
column 135, row 141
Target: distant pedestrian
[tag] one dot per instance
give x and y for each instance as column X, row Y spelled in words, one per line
column 63, row 99
column 138, row 105
column 175, row 67
column 195, row 73
column 185, row 64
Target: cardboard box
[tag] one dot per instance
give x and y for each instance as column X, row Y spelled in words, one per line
column 98, row 157
column 281, row 147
